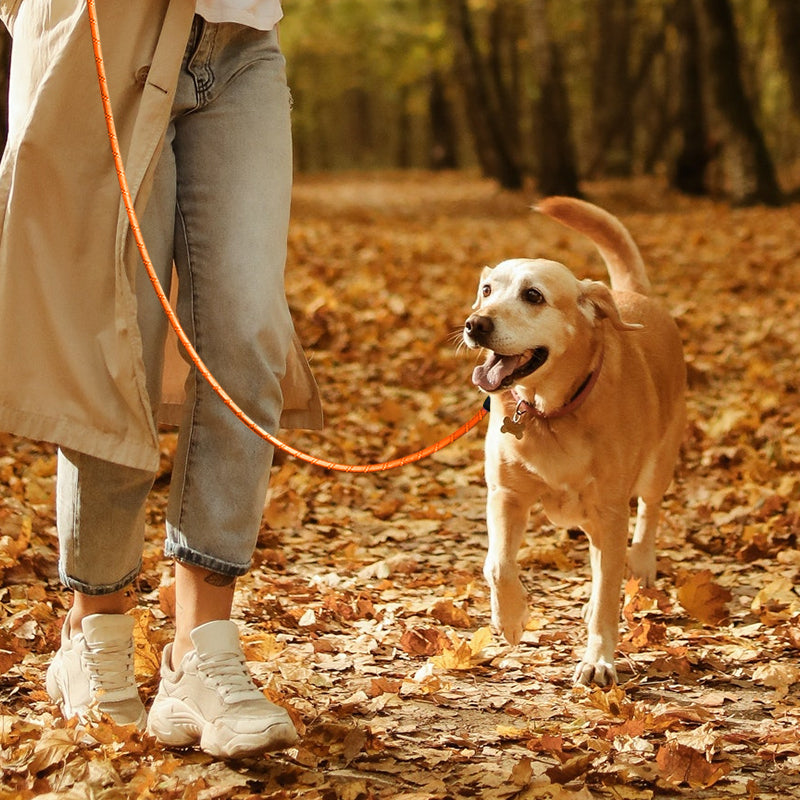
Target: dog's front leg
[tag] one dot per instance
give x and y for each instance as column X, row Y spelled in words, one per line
column 507, row 518
column 607, row 554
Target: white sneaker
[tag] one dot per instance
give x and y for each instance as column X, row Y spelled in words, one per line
column 211, row 700
column 94, row 669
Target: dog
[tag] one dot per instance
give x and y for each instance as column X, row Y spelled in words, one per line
column 587, row 389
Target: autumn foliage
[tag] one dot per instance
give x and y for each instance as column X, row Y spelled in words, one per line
column 366, row 614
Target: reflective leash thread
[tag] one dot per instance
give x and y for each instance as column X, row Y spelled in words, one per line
column 180, row 333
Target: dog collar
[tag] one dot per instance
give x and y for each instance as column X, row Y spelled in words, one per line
column 514, row 425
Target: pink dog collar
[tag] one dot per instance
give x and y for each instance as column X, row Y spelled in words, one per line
column 513, row 424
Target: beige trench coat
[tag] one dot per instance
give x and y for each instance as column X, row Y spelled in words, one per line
column 70, row 351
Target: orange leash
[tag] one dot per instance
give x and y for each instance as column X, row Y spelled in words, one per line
column 184, row 339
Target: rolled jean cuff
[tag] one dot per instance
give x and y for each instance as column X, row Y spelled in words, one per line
column 106, row 588
column 184, row 554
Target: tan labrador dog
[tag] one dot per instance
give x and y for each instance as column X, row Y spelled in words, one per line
column 587, row 412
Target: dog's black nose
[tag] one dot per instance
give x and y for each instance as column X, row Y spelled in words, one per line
column 478, row 327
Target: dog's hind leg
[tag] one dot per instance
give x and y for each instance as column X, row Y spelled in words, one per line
column 607, row 540
column 507, row 519
column 642, row 552
column 651, row 487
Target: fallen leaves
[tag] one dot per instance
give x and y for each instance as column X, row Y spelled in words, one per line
column 703, row 598
column 366, row 614
column 463, row 654
column 681, row 765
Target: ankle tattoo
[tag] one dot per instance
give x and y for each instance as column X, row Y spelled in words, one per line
column 219, row 580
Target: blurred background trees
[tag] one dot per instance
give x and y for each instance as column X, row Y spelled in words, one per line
column 705, row 92
column 551, row 92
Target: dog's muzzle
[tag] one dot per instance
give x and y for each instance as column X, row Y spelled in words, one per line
column 499, row 371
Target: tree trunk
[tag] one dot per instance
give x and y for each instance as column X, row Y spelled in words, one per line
column 485, row 113
column 612, row 122
column 623, row 116
column 5, row 64
column 443, row 136
column 747, row 169
column 688, row 172
column 403, row 156
column 556, row 171
column 504, row 69
column 787, row 22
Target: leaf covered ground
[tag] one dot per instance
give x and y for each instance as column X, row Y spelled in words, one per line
column 366, row 614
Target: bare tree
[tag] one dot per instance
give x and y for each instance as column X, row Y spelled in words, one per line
column 787, row 22
column 688, row 171
column 488, row 117
column 747, row 169
column 443, row 151
column 616, row 85
column 556, row 171
column 5, row 62
column 612, row 121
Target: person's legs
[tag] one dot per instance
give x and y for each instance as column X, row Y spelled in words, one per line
column 228, row 153
column 100, row 505
column 101, row 521
column 233, row 156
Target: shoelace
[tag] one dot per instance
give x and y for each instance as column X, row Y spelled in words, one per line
column 110, row 668
column 228, row 674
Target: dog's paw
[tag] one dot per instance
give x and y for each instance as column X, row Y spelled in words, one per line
column 642, row 565
column 510, row 611
column 512, row 630
column 600, row 673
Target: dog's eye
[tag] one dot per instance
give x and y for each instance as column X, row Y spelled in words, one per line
column 533, row 296
column 486, row 290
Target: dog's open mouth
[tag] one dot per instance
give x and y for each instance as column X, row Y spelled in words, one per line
column 500, row 372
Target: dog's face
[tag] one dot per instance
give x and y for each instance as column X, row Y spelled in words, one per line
column 527, row 313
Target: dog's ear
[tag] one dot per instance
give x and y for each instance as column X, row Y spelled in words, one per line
column 599, row 296
column 484, row 274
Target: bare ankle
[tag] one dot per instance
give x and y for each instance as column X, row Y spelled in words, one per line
column 180, row 647
column 84, row 605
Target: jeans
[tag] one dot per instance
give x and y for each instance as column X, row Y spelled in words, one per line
column 220, row 210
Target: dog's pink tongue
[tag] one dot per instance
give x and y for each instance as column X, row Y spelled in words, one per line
column 489, row 375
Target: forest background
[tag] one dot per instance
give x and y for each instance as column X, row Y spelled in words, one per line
column 425, row 130
column 704, row 92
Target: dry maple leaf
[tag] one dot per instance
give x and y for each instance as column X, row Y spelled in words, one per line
column 458, row 654
column 682, row 765
column 642, row 600
column 645, row 636
column 611, row 699
column 574, row 768
column 422, row 641
column 450, row 614
column 148, row 643
column 780, row 677
column 285, row 507
column 776, row 602
column 261, row 646
column 704, row 599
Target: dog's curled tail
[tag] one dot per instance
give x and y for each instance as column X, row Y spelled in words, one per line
column 619, row 251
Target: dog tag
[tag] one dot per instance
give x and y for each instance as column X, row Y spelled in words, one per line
column 513, row 426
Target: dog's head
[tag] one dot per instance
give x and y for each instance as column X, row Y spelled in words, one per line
column 528, row 312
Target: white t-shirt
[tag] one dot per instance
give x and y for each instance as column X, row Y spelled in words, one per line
column 261, row 14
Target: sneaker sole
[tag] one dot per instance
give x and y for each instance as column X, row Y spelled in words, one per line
column 175, row 724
